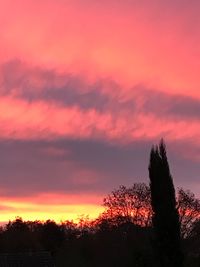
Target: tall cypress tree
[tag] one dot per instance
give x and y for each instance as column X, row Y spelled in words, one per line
column 165, row 215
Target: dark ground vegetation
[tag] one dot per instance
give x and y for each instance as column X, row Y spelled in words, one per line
column 121, row 236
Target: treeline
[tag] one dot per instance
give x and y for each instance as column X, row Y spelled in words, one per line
column 142, row 225
column 121, row 236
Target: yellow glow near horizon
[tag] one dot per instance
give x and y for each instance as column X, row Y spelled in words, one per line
column 42, row 212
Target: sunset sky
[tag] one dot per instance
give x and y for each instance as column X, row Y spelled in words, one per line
column 86, row 88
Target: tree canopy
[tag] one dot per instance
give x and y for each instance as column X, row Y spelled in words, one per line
column 165, row 218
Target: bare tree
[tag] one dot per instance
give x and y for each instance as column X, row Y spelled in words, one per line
column 189, row 211
column 132, row 204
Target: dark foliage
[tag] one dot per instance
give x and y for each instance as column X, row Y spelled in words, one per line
column 95, row 243
column 165, row 214
column 105, row 242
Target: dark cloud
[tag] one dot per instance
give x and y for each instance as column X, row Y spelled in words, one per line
column 167, row 105
column 34, row 83
column 29, row 168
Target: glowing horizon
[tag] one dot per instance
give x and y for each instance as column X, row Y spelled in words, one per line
column 53, row 207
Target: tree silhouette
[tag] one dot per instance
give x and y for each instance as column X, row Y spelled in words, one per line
column 52, row 235
column 130, row 204
column 165, row 214
column 189, row 211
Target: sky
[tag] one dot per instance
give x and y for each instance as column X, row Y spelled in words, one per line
column 86, row 88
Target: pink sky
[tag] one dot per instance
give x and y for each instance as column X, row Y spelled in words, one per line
column 75, row 75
